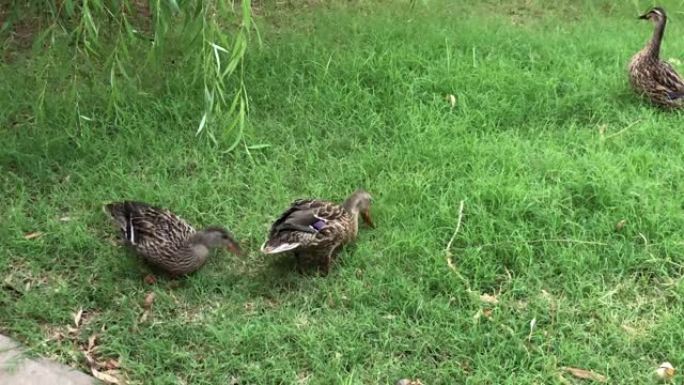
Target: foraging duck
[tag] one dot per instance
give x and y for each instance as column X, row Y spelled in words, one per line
column 652, row 77
column 164, row 239
column 315, row 230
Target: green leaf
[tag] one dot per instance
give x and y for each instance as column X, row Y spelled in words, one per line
column 202, row 123
column 174, row 6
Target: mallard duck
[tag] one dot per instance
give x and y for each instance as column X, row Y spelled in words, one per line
column 164, row 239
column 315, row 230
column 652, row 77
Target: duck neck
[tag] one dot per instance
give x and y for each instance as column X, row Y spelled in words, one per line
column 191, row 257
column 199, row 251
column 204, row 238
column 351, row 205
column 653, row 47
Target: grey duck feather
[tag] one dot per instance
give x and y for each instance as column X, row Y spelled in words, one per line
column 314, row 229
column 652, row 77
column 165, row 240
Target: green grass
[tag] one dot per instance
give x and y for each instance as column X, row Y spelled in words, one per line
column 547, row 147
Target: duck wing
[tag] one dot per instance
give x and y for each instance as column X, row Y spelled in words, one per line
column 142, row 223
column 670, row 80
column 307, row 222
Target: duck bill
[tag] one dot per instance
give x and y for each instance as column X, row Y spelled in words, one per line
column 367, row 218
column 235, row 249
column 643, row 17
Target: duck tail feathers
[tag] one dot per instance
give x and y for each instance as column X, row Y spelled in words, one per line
column 275, row 247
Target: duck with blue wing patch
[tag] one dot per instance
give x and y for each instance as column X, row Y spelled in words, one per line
column 165, row 240
column 315, row 230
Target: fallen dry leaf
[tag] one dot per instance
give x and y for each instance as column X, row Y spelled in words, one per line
column 88, row 352
column 665, row 371
column 452, row 100
column 65, row 219
column 144, row 316
column 406, row 381
column 489, row 299
column 477, row 315
column 91, row 342
column 150, row 279
column 629, row 329
column 111, row 364
column 451, row 265
column 33, row 235
column 149, row 299
column 77, row 317
column 56, row 336
column 620, row 225
column 533, row 324
column 233, row 380
column 602, row 130
column 487, row 313
column 90, row 360
column 585, row 374
column 105, row 377
column 303, row 378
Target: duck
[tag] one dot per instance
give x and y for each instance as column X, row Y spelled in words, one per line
column 652, row 77
column 165, row 240
column 315, row 230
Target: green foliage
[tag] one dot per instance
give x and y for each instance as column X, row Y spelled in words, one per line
column 126, row 46
column 546, row 146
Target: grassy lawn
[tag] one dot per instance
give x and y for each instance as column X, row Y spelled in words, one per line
column 546, row 146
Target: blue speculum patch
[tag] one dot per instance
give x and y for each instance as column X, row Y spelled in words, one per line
column 318, row 225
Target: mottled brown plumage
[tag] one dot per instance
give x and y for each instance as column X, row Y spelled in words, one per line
column 654, row 78
column 164, row 239
column 315, row 230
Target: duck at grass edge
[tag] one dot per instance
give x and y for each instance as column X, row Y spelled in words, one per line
column 315, row 230
column 654, row 78
column 164, row 239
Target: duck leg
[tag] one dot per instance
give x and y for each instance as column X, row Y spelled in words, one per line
column 329, row 259
column 327, row 263
column 298, row 262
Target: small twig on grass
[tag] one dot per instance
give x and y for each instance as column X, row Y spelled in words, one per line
column 447, row 251
column 645, row 240
column 453, row 236
column 623, row 130
column 534, row 241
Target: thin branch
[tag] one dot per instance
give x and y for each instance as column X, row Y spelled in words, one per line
column 536, row 241
column 447, row 251
column 458, row 227
column 623, row 130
